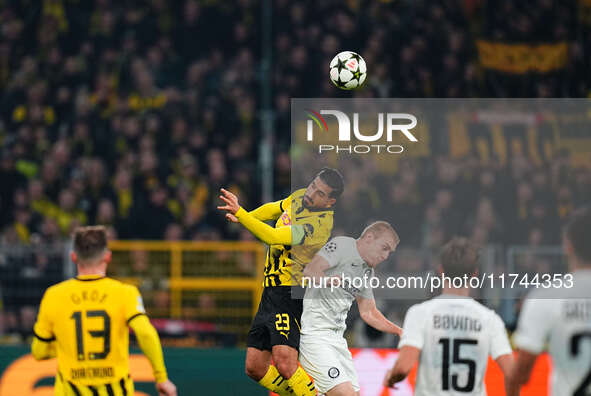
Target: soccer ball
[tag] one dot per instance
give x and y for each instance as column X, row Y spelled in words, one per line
column 348, row 70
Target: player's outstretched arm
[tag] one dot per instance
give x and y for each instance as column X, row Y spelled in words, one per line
column 373, row 317
column 266, row 212
column 289, row 235
column 407, row 358
column 150, row 344
column 269, row 211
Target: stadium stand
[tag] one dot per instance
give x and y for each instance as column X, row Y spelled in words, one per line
column 113, row 109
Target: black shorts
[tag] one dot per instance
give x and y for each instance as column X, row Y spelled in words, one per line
column 277, row 321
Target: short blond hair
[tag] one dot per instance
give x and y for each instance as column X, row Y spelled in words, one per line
column 379, row 227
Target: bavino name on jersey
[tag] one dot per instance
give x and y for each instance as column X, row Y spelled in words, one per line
column 455, row 322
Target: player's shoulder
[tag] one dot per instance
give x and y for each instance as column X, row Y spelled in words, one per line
column 298, row 193
column 547, row 295
column 117, row 284
column 345, row 240
column 443, row 302
column 342, row 242
column 59, row 288
column 543, row 302
column 485, row 311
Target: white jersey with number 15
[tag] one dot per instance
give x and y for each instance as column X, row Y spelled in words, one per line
column 455, row 335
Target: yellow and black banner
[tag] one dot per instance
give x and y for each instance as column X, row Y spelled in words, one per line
column 522, row 58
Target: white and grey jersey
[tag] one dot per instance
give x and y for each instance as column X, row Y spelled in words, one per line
column 456, row 335
column 326, row 309
column 561, row 321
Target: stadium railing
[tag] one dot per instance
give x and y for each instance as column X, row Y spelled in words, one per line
column 211, row 286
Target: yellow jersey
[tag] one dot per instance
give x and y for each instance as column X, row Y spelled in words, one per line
column 88, row 318
column 284, row 263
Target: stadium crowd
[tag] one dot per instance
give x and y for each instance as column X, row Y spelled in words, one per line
column 111, row 110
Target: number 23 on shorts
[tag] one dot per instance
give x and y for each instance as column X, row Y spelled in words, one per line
column 282, row 322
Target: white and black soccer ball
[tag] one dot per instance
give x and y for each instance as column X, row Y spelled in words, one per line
column 348, row 70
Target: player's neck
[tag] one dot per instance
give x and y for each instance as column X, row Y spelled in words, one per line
column 464, row 291
column 99, row 270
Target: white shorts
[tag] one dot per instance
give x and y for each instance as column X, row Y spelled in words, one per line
column 328, row 361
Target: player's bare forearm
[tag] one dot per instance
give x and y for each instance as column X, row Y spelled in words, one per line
column 507, row 365
column 520, row 372
column 378, row 321
column 393, row 376
column 407, row 358
column 373, row 317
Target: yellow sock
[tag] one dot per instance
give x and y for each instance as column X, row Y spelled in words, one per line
column 301, row 384
column 275, row 382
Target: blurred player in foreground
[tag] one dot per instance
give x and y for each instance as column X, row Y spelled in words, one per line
column 561, row 320
column 303, row 223
column 85, row 322
column 344, row 267
column 452, row 335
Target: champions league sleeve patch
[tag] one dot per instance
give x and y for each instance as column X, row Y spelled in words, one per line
column 330, row 247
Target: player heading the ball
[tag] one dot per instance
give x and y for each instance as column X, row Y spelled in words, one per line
column 324, row 353
column 303, row 223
